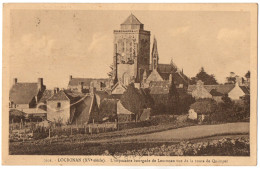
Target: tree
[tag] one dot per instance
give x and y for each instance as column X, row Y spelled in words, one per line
column 185, row 100
column 227, row 102
column 108, row 109
column 231, row 79
column 247, row 75
column 193, row 80
column 110, row 74
column 133, row 100
column 205, row 77
column 173, row 99
column 204, row 106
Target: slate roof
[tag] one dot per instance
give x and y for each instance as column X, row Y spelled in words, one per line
column 159, row 87
column 117, row 84
column 86, row 81
column 166, row 69
column 61, row 95
column 219, row 90
column 214, row 92
column 23, row 93
column 121, row 109
column 46, row 95
column 223, row 89
column 154, row 76
column 83, row 110
column 245, row 90
column 131, row 20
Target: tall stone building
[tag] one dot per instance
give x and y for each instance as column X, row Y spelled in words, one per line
column 131, row 51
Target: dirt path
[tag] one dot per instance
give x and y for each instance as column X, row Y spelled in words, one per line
column 189, row 133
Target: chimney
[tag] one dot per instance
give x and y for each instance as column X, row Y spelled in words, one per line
column 70, row 77
column 238, row 80
column 14, row 81
column 40, row 83
column 92, row 89
column 170, row 78
column 199, row 84
column 80, row 87
column 55, row 90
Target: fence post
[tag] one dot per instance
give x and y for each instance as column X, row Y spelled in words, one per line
column 70, row 130
column 49, row 133
column 117, row 126
column 21, row 124
column 90, row 129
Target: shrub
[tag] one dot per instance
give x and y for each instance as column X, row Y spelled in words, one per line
column 133, row 100
column 204, row 106
column 185, row 101
column 228, row 111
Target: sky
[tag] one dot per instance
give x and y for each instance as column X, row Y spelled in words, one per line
column 55, row 44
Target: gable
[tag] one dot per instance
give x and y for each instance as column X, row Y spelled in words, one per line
column 46, row 95
column 154, row 76
column 214, row 89
column 59, row 96
column 236, row 93
column 201, row 92
column 118, row 89
column 121, row 109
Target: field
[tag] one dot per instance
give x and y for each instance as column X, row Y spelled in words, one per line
column 131, row 140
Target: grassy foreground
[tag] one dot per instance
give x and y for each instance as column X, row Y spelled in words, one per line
column 235, row 145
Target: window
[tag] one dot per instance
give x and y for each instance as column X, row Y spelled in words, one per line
column 58, row 105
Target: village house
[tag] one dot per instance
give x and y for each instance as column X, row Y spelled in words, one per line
column 234, row 91
column 83, row 84
column 24, row 96
column 68, row 107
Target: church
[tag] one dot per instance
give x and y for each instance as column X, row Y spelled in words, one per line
column 134, row 63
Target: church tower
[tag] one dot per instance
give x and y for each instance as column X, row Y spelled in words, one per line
column 131, row 51
column 155, row 55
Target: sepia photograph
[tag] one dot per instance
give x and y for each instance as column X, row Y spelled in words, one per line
column 129, row 84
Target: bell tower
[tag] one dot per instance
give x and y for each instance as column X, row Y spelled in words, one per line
column 131, row 51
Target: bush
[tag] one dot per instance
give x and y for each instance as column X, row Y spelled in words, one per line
column 133, row 100
column 222, row 147
column 108, row 109
column 184, row 104
column 228, row 111
column 204, row 106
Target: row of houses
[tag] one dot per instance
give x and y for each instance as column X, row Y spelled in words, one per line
column 233, row 91
column 74, row 105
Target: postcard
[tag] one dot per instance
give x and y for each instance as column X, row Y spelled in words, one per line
column 129, row 84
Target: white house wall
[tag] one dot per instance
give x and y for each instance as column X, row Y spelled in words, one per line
column 236, row 93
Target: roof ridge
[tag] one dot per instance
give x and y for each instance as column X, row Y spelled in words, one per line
column 130, row 20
